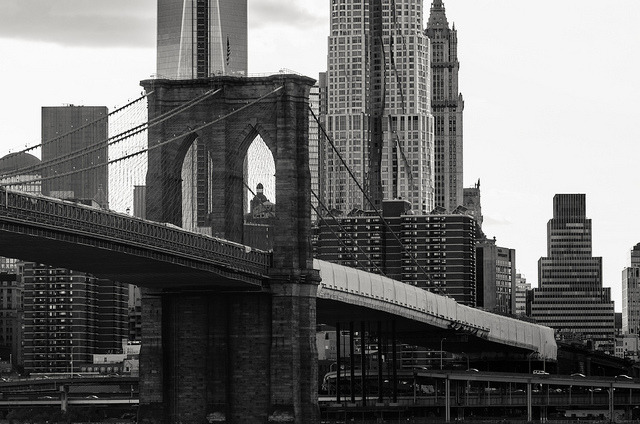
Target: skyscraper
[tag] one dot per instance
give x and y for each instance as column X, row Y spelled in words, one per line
column 631, row 294
column 570, row 296
column 75, row 138
column 447, row 106
column 201, row 38
column 378, row 111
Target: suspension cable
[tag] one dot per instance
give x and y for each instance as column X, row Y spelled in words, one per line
column 147, row 149
column 99, row 145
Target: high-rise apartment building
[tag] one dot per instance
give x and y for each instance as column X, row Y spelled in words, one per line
column 631, row 294
column 446, row 106
column 435, row 252
column 570, row 297
column 378, row 106
column 69, row 316
column 201, row 38
column 75, row 138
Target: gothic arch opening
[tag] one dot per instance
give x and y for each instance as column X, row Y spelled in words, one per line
column 259, row 195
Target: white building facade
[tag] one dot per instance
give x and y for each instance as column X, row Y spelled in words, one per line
column 378, row 111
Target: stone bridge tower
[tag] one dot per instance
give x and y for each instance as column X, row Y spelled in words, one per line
column 235, row 357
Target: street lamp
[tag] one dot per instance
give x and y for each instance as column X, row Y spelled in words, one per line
column 441, row 340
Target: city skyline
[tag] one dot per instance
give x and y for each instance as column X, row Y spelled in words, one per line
column 530, row 100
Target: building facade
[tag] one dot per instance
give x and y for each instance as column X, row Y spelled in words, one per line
column 378, row 107
column 631, row 294
column 69, row 316
column 570, row 297
column 495, row 277
column 435, row 252
column 522, row 287
column 75, row 138
column 447, row 106
column 314, row 150
column 201, row 38
column 471, row 201
column 22, row 172
column 10, row 312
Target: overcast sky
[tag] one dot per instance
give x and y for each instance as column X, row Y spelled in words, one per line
column 551, row 93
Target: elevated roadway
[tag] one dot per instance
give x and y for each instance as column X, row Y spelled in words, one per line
column 122, row 248
column 348, row 294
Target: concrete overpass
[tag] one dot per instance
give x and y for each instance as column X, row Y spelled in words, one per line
column 348, row 294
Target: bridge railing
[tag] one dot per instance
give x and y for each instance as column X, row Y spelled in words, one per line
column 119, row 227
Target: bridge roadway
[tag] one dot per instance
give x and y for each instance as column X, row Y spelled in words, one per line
column 123, row 248
column 379, row 298
column 65, row 391
column 468, row 389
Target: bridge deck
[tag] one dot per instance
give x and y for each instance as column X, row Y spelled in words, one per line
column 427, row 315
column 123, row 248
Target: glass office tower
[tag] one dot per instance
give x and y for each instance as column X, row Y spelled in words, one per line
column 201, row 38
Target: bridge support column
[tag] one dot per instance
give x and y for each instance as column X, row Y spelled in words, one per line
column 230, row 358
column 447, row 399
column 64, row 398
column 294, row 367
column 352, row 364
column 151, row 408
column 529, row 403
column 338, row 363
